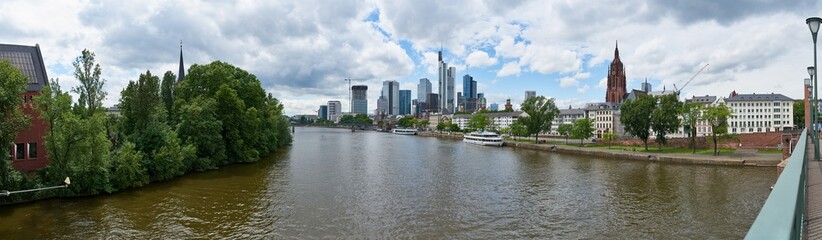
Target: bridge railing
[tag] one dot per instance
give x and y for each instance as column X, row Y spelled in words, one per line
column 783, row 214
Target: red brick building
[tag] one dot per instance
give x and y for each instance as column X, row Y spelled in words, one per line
column 28, row 153
column 616, row 80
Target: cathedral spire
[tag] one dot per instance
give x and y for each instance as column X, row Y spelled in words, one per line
column 616, row 50
column 182, row 72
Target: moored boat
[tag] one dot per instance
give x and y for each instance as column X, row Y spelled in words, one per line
column 404, row 131
column 483, row 138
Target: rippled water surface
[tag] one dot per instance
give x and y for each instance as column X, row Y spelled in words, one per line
column 334, row 183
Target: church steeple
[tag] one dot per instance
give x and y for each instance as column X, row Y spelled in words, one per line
column 182, row 72
column 616, row 79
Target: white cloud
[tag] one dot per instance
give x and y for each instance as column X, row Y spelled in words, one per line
column 509, row 69
column 583, row 89
column 479, row 59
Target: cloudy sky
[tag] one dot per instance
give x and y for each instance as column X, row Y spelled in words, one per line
column 302, row 50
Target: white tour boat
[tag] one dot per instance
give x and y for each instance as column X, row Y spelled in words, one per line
column 483, row 138
column 404, row 131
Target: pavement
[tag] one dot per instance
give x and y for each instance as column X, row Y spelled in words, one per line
column 813, row 201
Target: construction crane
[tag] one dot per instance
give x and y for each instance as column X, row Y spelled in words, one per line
column 350, row 100
column 677, row 90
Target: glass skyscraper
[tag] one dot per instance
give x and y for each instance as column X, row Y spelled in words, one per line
column 405, row 102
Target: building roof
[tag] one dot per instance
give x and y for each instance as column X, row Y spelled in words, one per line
column 29, row 60
column 634, row 94
column 601, row 105
column 702, row 99
column 577, row 111
column 493, row 114
column 758, row 97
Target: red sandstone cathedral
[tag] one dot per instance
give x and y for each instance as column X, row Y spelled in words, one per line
column 616, row 80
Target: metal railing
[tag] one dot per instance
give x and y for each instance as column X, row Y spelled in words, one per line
column 783, row 214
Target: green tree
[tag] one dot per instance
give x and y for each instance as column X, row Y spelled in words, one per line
column 583, row 129
column 441, row 126
column 453, row 127
column 518, row 128
column 126, row 170
column 167, row 93
column 199, row 126
column 665, row 117
column 541, row 113
column 140, row 104
column 251, row 121
column 479, row 122
column 12, row 120
column 799, row 113
column 90, row 90
column 717, row 117
column 691, row 112
column 405, row 122
column 423, row 124
column 565, row 131
column 609, row 137
column 77, row 146
column 636, row 117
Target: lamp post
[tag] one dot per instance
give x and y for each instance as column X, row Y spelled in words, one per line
column 813, row 25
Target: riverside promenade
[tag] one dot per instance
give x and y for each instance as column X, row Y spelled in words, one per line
column 740, row 158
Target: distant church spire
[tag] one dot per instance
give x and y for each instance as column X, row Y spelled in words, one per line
column 181, row 74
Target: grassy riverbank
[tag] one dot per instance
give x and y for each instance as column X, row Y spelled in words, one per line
column 666, row 154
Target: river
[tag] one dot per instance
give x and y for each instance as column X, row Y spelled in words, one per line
column 338, row 184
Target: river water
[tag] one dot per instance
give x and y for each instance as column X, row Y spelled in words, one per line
column 336, row 184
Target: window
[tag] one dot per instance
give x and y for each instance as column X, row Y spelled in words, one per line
column 19, row 151
column 32, row 150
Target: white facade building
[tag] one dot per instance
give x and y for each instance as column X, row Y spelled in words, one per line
column 334, row 110
column 756, row 113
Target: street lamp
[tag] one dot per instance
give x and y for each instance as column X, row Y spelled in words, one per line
column 813, row 25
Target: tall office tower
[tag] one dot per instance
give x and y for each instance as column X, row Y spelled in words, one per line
column 530, row 94
column 450, row 76
column 391, row 92
column 359, row 101
column 382, row 106
column 334, row 110
column 446, row 86
column 423, row 89
column 480, row 101
column 646, row 87
column 323, row 112
column 460, row 102
column 415, row 107
column 469, row 87
column 405, row 102
column 433, row 102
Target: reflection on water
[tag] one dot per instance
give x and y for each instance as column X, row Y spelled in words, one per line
column 334, row 183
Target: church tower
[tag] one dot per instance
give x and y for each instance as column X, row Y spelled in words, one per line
column 616, row 79
column 182, row 71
